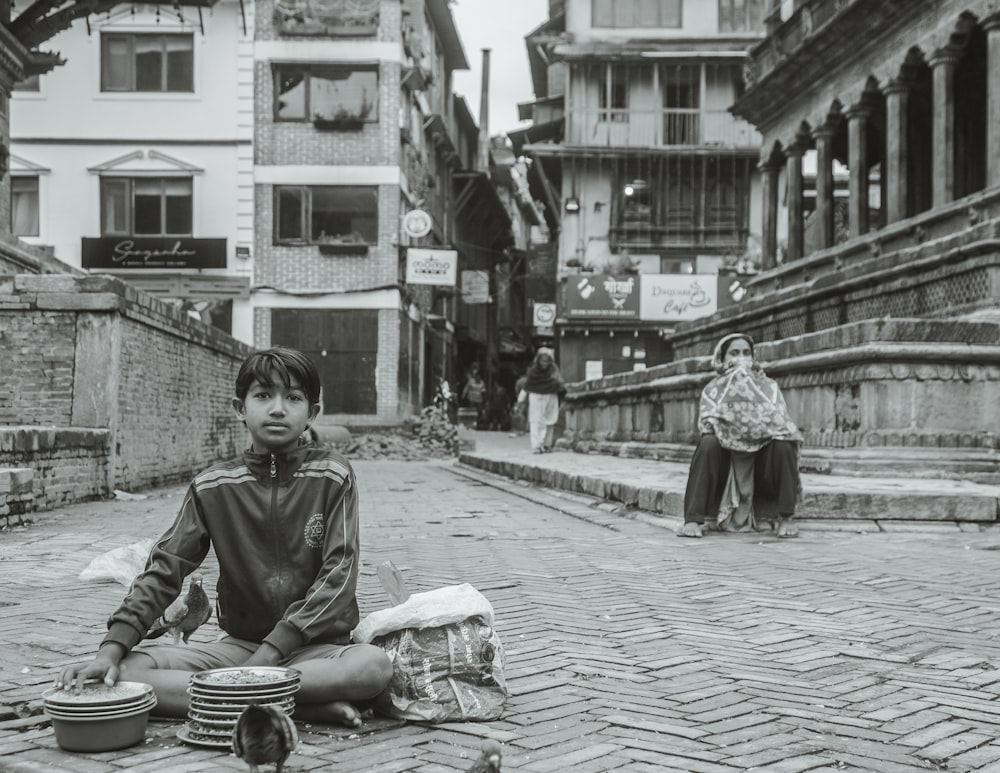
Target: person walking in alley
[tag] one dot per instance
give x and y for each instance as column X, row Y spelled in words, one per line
column 474, row 393
column 283, row 521
column 543, row 386
column 748, row 453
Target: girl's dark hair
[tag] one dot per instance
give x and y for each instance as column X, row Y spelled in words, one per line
column 287, row 363
column 730, row 342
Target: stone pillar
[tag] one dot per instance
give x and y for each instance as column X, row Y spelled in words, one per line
column 769, row 190
column 896, row 98
column 943, row 64
column 857, row 160
column 992, row 27
column 823, row 136
column 796, row 215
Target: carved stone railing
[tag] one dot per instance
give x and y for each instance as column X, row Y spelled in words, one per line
column 883, row 396
column 348, row 18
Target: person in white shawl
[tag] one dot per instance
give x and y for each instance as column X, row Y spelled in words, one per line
column 745, row 466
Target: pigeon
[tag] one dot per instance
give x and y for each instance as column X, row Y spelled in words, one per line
column 185, row 615
column 264, row 734
column 489, row 760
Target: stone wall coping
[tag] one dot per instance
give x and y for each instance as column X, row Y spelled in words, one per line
column 102, row 292
column 31, row 438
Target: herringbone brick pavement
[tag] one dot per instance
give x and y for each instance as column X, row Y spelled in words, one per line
column 627, row 649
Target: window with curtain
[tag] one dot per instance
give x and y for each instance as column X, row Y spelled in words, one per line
column 147, row 62
column 741, row 15
column 24, row 206
column 147, row 206
column 636, row 13
column 310, row 92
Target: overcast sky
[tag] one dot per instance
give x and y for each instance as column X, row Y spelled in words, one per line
column 499, row 25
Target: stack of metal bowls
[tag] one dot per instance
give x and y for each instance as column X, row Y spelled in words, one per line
column 98, row 718
column 220, row 695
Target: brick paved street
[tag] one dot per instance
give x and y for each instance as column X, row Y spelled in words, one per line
column 627, row 648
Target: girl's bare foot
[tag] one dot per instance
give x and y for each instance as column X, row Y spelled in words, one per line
column 786, row 529
column 690, row 530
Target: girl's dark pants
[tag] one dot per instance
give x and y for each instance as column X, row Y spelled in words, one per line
column 776, row 476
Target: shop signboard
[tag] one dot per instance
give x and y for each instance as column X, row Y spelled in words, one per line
column 601, row 296
column 152, row 252
column 678, row 297
column 431, row 267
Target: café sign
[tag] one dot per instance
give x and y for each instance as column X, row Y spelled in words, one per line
column 152, row 252
column 678, row 297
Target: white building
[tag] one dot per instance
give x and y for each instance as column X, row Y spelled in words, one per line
column 135, row 158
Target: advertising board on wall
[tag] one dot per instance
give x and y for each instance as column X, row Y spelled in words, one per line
column 678, row 297
column 601, row 296
column 153, row 252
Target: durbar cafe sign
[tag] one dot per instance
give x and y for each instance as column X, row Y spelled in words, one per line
column 113, row 252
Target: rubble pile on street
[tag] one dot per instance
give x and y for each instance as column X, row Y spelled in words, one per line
column 429, row 436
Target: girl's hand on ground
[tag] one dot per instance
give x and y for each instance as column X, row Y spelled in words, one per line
column 103, row 667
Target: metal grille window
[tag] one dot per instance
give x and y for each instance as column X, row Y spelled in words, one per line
column 326, row 214
column 146, row 206
column 324, row 93
column 636, row 13
column 147, row 63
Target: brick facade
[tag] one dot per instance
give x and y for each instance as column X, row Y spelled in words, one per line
column 372, row 152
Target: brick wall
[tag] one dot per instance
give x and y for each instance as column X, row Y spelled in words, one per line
column 95, row 355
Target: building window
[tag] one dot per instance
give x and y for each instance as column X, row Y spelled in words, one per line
column 31, row 83
column 741, row 15
column 146, row 206
column 326, row 94
column 24, row 206
column 326, row 215
column 614, row 94
column 636, row 13
column 147, row 63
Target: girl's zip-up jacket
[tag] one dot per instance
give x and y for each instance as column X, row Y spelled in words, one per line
column 285, row 531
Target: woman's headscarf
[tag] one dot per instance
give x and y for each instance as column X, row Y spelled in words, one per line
column 742, row 406
column 544, row 380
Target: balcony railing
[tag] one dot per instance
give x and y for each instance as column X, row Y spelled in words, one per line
column 667, row 127
column 327, row 17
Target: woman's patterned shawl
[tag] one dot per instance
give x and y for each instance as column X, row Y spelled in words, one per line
column 742, row 406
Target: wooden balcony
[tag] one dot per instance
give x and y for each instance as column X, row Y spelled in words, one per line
column 679, row 127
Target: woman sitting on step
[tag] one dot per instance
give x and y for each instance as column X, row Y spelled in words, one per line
column 745, row 466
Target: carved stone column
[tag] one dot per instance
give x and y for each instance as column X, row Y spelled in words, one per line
column 823, row 136
column 896, row 97
column 992, row 27
column 857, row 160
column 796, row 214
column 769, row 239
column 943, row 64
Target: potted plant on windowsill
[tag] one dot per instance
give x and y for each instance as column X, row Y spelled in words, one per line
column 343, row 244
column 344, row 119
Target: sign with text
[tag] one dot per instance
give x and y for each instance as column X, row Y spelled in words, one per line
column 155, row 252
column 431, row 267
column 475, row 287
column 601, row 296
column 678, row 297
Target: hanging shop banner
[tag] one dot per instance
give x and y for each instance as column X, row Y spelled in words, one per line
column 431, row 267
column 152, row 252
column 601, row 296
column 475, row 287
column 678, row 297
